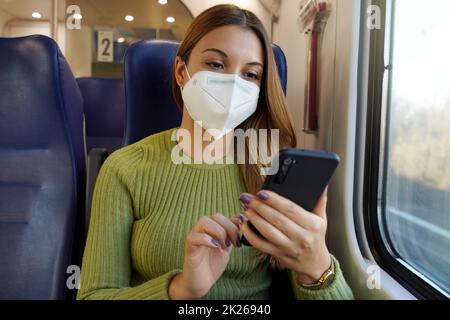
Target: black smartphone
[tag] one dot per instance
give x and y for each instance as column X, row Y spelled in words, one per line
column 302, row 177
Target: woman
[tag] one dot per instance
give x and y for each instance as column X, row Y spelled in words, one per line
column 164, row 230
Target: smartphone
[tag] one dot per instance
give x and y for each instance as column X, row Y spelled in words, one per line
column 302, row 177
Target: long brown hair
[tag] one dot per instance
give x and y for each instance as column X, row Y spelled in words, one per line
column 272, row 112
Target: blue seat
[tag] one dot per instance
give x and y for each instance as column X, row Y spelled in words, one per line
column 148, row 85
column 104, row 110
column 42, row 176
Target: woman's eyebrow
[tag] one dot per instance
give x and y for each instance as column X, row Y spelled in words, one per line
column 226, row 56
column 216, row 50
column 256, row 64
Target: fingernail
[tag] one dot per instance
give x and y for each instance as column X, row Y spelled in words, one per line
column 241, row 218
column 239, row 243
column 245, row 199
column 264, row 196
column 228, row 242
column 216, row 242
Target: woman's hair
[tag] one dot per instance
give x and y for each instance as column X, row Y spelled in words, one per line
column 272, row 110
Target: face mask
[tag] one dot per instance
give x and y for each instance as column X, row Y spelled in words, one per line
column 219, row 102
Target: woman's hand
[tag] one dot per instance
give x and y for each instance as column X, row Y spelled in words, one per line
column 294, row 236
column 207, row 252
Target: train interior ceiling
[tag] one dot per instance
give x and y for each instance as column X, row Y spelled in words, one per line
column 383, row 95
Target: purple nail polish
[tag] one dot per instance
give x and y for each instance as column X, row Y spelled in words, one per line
column 245, row 199
column 241, row 218
column 264, row 196
column 228, row 242
column 216, row 242
column 239, row 243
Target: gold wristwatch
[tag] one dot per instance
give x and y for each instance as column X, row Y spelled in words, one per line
column 326, row 278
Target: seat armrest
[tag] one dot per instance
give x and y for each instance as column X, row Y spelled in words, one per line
column 95, row 160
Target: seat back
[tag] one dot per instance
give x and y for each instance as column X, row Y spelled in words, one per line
column 104, row 110
column 42, row 161
column 151, row 107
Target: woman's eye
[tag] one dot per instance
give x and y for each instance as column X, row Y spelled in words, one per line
column 252, row 76
column 215, row 65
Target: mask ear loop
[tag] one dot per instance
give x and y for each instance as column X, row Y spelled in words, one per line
column 185, row 67
column 187, row 71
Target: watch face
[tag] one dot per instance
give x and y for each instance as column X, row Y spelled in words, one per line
column 328, row 277
column 324, row 280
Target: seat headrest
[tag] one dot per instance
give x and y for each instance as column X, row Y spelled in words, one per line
column 38, row 92
column 151, row 107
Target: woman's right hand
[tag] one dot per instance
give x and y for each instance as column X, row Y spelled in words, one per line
column 207, row 252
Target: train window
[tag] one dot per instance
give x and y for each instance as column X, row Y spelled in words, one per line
column 413, row 178
column 416, row 189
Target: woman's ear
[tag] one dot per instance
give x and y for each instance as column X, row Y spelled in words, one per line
column 180, row 73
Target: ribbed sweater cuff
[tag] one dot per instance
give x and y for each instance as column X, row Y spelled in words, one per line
column 337, row 290
column 156, row 289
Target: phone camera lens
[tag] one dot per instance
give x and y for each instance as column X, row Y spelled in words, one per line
column 281, row 176
column 287, row 162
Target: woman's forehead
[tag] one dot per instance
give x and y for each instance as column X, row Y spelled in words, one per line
column 236, row 42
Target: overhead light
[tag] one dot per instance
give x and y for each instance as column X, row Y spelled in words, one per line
column 36, row 15
column 170, row 19
column 162, row 2
column 129, row 18
column 77, row 16
column 121, row 40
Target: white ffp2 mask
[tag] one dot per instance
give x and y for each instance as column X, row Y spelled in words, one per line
column 219, row 102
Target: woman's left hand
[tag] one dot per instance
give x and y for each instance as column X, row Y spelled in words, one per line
column 294, row 236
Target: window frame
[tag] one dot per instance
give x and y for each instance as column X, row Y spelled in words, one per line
column 378, row 104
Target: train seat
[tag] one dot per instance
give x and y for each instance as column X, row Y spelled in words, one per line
column 42, row 181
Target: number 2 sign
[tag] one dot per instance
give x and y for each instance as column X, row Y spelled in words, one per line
column 105, row 48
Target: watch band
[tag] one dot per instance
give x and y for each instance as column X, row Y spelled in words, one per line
column 324, row 280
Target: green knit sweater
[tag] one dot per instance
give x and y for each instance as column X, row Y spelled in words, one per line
column 144, row 206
